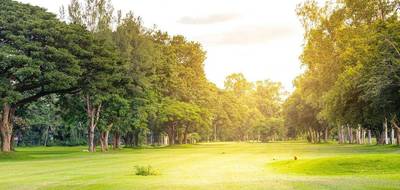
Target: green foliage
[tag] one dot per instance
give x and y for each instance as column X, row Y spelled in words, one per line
column 39, row 54
column 351, row 60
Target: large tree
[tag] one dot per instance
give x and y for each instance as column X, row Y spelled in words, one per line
column 39, row 56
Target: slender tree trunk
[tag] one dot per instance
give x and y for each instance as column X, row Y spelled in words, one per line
column 392, row 141
column 91, row 139
column 394, row 124
column 6, row 127
column 179, row 136
column 369, row 137
column 215, row 132
column 359, row 134
column 152, row 138
column 136, row 134
column 362, row 136
column 311, row 140
column 171, row 135
column 350, row 133
column 381, row 137
column 12, row 142
column 116, row 140
column 46, row 136
column 326, row 134
column 93, row 115
column 385, row 131
column 185, row 134
column 102, row 144
column 398, row 136
column 104, row 140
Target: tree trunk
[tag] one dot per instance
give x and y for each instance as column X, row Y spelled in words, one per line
column 6, row 127
column 171, row 135
column 392, row 141
column 93, row 115
column 350, row 133
column 151, row 137
column 104, row 140
column 326, row 134
column 185, row 135
column 359, row 134
column 380, row 135
column 310, row 138
column 136, row 135
column 385, row 131
column 215, row 133
column 91, row 139
column 116, row 140
column 46, row 136
column 341, row 136
column 369, row 137
column 398, row 136
column 363, row 135
column 394, row 124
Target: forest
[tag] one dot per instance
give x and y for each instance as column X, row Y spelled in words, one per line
column 350, row 87
column 95, row 76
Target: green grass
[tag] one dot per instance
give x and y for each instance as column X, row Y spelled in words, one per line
column 342, row 165
column 205, row 166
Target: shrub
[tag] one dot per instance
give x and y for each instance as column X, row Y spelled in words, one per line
column 146, row 170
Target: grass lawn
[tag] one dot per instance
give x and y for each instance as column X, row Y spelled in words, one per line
column 206, row 166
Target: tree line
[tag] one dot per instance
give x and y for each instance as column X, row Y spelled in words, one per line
column 94, row 74
column 350, row 88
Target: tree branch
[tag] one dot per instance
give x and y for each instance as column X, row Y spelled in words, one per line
column 23, row 88
column 45, row 93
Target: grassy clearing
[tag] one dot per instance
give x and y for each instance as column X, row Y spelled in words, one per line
column 205, row 166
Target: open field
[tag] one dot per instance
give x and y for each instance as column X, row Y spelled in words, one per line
column 206, row 166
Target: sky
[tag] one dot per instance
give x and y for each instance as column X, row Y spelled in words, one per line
column 260, row 38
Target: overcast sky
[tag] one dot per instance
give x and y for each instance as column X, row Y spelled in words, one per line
column 260, row 38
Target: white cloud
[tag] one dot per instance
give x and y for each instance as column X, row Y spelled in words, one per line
column 246, row 35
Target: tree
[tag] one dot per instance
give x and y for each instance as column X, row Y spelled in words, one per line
column 100, row 76
column 39, row 56
column 179, row 118
column 350, row 56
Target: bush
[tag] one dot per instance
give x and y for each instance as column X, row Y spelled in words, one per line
column 146, row 170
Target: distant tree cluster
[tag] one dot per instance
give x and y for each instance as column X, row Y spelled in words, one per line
column 350, row 87
column 95, row 75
